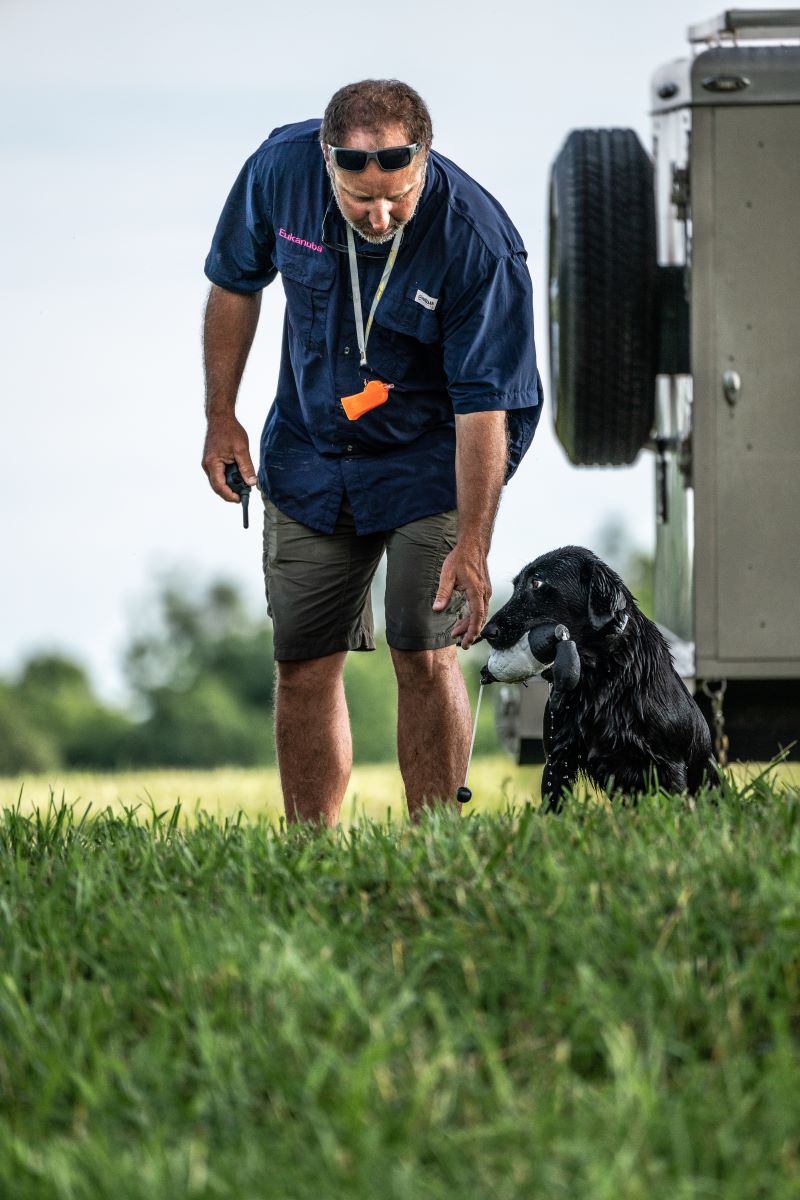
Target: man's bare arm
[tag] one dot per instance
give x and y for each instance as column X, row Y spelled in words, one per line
column 481, row 456
column 229, row 328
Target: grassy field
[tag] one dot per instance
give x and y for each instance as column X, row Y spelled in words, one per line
column 601, row 1006
column 375, row 792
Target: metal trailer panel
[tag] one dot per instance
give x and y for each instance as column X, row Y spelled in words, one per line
column 746, row 318
column 741, row 465
column 706, row 385
column 757, row 333
column 743, row 103
column 734, row 76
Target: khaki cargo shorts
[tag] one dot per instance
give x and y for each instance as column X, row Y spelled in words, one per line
column 318, row 584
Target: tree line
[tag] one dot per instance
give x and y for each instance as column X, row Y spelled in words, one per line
column 201, row 678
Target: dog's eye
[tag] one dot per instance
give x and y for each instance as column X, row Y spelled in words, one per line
column 536, row 583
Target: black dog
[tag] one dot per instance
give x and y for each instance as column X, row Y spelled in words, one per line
column 622, row 716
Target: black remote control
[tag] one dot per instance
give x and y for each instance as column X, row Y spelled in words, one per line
column 233, row 478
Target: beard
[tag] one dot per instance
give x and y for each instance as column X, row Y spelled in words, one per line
column 363, row 227
column 365, row 230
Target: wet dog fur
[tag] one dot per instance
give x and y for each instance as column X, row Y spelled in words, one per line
column 630, row 722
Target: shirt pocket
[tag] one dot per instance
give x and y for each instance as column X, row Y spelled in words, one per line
column 307, row 285
column 406, row 314
column 405, row 342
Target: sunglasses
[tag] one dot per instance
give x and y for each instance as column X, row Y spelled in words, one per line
column 392, row 159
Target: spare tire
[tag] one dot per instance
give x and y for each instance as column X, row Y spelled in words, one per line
column 602, row 284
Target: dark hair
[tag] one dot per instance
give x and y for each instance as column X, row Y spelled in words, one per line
column 372, row 104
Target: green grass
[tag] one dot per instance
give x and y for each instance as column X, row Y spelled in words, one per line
column 605, row 1005
column 375, row 790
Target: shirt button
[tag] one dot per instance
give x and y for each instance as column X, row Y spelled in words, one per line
column 349, row 449
column 347, row 349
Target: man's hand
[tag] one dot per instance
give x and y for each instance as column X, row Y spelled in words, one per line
column 227, row 442
column 465, row 569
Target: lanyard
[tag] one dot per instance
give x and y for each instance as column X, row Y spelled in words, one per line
column 361, row 335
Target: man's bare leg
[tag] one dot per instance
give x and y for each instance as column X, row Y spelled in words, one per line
column 433, row 725
column 312, row 734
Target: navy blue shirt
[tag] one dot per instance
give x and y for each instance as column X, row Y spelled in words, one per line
column 453, row 333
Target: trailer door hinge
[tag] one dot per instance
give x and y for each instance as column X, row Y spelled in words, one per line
column 680, row 195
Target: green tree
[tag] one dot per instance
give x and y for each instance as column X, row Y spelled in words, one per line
column 372, row 701
column 201, row 671
column 613, row 543
column 72, row 727
column 203, row 677
column 24, row 746
column 202, row 725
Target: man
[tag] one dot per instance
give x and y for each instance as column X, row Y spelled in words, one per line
column 407, row 394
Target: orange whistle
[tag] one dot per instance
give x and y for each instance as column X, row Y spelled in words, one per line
column 373, row 395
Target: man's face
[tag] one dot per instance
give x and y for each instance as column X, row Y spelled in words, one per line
column 377, row 203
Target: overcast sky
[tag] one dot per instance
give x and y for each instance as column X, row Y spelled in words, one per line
column 123, row 127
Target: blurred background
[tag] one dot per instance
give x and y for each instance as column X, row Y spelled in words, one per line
column 123, row 128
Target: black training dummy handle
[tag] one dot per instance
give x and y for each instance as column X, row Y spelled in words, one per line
column 543, row 641
column 566, row 666
column 552, row 644
column 233, row 478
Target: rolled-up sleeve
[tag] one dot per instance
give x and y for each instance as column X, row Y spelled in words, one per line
column 240, row 258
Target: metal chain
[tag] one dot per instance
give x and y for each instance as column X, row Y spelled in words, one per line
column 716, row 695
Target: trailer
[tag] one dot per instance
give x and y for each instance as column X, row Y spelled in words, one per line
column 674, row 316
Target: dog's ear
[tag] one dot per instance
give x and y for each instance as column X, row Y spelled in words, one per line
column 606, row 597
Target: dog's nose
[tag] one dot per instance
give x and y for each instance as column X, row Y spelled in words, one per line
column 489, row 632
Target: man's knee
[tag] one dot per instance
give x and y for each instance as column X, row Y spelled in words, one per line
column 424, row 668
column 310, row 675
